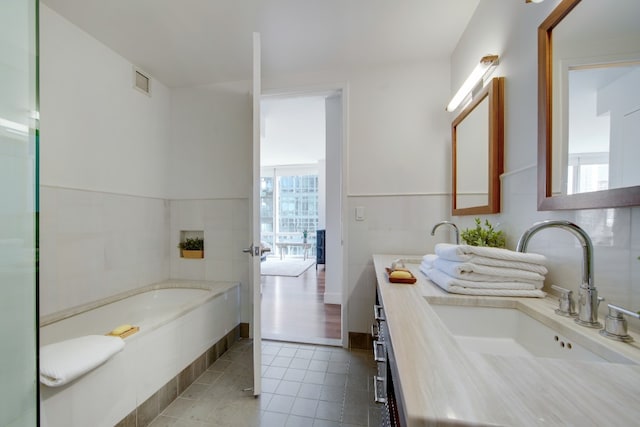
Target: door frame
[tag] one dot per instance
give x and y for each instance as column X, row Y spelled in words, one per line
column 256, row 291
column 327, row 89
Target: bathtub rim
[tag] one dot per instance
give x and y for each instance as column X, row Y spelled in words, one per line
column 214, row 287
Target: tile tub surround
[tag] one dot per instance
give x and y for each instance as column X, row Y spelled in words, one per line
column 95, row 244
column 168, row 341
column 303, row 385
column 446, row 384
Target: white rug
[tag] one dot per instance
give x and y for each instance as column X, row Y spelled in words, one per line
column 287, row 267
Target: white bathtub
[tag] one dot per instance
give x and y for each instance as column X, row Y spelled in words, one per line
column 178, row 322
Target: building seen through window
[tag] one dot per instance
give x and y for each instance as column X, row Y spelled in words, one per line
column 288, row 207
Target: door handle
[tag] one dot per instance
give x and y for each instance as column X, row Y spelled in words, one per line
column 252, row 250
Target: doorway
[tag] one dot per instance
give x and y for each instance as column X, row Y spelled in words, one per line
column 301, row 199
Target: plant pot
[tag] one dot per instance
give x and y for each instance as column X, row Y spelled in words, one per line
column 192, row 254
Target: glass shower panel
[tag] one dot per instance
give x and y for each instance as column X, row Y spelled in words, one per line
column 18, row 220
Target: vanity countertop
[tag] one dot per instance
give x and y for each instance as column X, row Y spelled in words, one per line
column 442, row 384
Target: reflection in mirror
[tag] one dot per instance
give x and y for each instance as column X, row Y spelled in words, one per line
column 604, row 118
column 589, row 111
column 477, row 153
column 472, row 158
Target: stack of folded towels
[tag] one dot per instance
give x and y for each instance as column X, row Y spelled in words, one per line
column 478, row 270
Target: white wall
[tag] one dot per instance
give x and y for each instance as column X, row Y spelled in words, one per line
column 104, row 149
column 615, row 232
column 210, row 182
column 292, row 130
column 211, row 142
column 122, row 173
column 98, row 133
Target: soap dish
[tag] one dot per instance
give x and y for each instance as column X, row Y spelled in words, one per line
column 409, row 280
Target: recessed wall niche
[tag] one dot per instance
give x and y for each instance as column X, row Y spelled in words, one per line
column 191, row 244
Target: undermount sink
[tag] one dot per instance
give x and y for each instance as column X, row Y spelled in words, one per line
column 512, row 332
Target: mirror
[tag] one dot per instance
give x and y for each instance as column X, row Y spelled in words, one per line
column 589, row 105
column 477, row 136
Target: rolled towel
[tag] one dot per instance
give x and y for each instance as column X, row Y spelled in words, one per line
column 484, row 273
column 64, row 361
column 465, row 287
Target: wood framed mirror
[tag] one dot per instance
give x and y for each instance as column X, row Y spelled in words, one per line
column 589, row 59
column 477, row 136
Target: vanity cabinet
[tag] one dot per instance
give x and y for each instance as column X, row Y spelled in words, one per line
column 385, row 392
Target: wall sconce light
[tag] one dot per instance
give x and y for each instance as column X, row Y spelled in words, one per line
column 533, row 1
column 476, row 75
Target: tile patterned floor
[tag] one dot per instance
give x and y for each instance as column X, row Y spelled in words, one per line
column 302, row 386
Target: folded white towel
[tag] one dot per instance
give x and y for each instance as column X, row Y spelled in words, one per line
column 64, row 361
column 428, row 260
column 459, row 286
column 425, row 268
column 493, row 262
column 485, row 273
column 465, row 252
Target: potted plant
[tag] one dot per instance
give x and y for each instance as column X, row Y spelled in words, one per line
column 480, row 236
column 304, row 236
column 192, row 247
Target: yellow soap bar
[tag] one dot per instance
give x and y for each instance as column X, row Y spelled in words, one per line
column 400, row 274
column 120, row 329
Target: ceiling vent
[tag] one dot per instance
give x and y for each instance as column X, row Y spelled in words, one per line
column 141, row 81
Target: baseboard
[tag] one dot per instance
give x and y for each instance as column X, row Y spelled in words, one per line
column 360, row 341
column 244, row 330
column 333, row 298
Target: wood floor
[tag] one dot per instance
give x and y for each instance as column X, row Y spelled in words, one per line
column 293, row 309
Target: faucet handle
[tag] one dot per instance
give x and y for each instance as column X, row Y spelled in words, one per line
column 566, row 306
column 615, row 325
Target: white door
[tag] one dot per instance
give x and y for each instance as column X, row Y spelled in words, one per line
column 255, row 222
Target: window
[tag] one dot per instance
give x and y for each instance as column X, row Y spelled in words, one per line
column 587, row 172
column 289, row 208
column 266, row 210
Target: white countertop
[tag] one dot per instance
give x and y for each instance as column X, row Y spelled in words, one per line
column 442, row 384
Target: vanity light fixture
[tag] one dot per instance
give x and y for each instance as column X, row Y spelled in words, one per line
column 476, row 75
column 533, row 1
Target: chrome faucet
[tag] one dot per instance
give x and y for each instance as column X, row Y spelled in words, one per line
column 455, row 227
column 588, row 300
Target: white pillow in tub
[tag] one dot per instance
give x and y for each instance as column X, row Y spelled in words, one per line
column 64, row 361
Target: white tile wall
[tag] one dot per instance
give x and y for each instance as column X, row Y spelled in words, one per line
column 393, row 225
column 402, row 225
column 97, row 244
column 225, row 223
column 615, row 234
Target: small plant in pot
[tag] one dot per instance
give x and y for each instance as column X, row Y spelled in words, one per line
column 192, row 247
column 483, row 236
